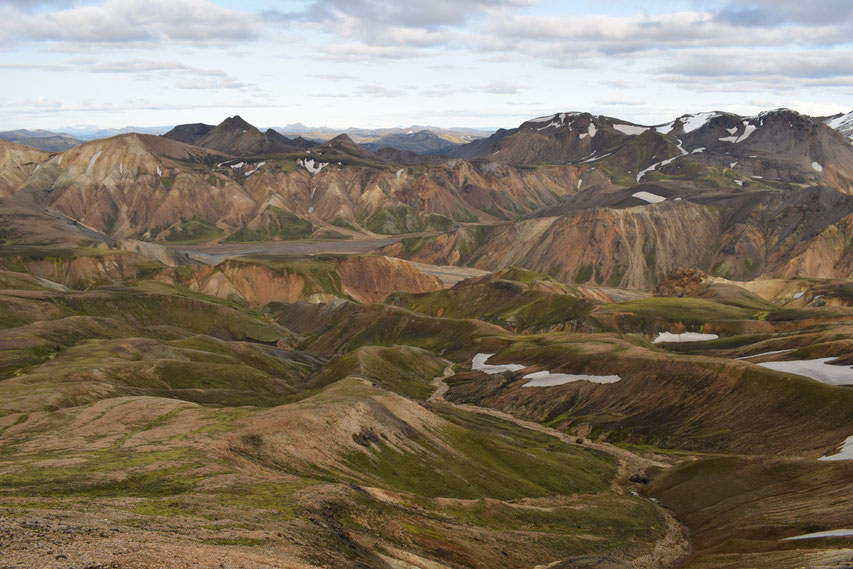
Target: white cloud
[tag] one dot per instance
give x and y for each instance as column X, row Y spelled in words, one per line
column 132, row 22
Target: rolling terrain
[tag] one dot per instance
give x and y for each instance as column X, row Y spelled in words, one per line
column 579, row 343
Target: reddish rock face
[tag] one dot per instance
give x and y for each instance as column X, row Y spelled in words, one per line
column 371, row 279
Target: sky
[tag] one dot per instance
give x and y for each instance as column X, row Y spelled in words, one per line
column 385, row 63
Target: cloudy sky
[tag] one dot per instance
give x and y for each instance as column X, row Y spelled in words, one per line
column 374, row 63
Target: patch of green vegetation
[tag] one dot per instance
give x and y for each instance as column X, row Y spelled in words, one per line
column 502, row 302
column 493, row 458
column 692, row 312
column 413, row 245
column 165, row 508
column 329, row 234
column 626, row 516
column 464, row 216
column 583, row 274
column 344, row 224
column 275, row 499
column 193, row 230
column 723, row 269
column 402, row 369
column 438, row 222
column 393, row 221
column 280, row 225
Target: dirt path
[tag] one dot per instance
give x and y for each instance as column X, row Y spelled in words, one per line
column 667, row 551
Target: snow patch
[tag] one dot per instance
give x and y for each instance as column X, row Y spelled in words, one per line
column 594, row 158
column 400, row 172
column 732, row 130
column 94, row 159
column 630, row 129
column 548, row 379
column 649, row 197
column 255, row 169
column 739, row 182
column 820, row 534
column 732, row 165
column 819, row 370
column 544, row 119
column 311, row 166
column 693, row 122
column 311, row 209
column 238, row 165
column 59, row 161
column 121, row 167
column 159, row 172
column 748, row 130
column 685, row 337
column 663, row 162
column 555, row 123
column 845, row 451
column 698, row 150
column 592, row 130
column 579, row 183
column 665, row 128
column 799, row 295
column 479, row 364
column 817, row 167
column 764, row 354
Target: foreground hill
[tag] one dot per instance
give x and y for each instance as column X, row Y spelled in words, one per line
column 351, row 411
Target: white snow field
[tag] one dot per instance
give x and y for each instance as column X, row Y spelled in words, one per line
column 539, row 378
column 684, row 337
column 845, row 451
column 479, row 364
column 649, row 197
column 548, row 379
column 819, row 370
column 310, row 165
column 820, row 534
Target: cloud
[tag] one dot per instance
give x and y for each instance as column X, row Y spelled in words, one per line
column 502, row 88
column 774, row 13
column 392, row 13
column 131, row 22
column 185, row 76
column 739, row 70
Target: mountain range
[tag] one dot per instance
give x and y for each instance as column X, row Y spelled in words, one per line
column 762, row 195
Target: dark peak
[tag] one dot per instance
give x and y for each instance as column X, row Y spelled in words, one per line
column 236, row 122
column 341, row 139
column 275, row 135
column 191, row 133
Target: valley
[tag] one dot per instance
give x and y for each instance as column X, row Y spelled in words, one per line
column 578, row 343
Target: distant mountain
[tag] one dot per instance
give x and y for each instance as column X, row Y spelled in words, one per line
column 421, row 142
column 94, row 133
column 370, row 136
column 189, row 133
column 42, row 139
column 236, row 137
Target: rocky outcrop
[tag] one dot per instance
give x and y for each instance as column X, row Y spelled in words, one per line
column 372, row 278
